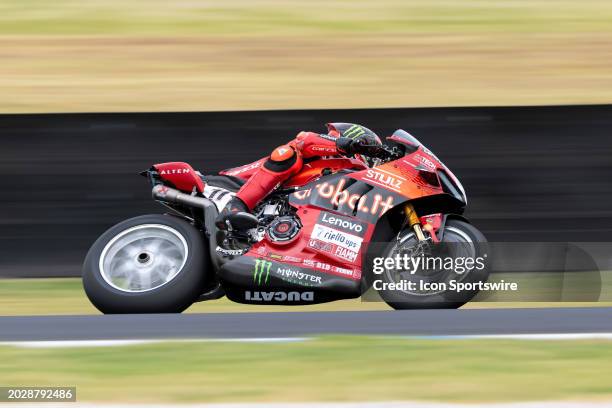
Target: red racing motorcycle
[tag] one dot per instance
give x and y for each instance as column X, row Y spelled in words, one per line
column 325, row 234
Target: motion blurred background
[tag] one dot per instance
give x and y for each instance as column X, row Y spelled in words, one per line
column 532, row 174
column 73, row 72
column 197, row 55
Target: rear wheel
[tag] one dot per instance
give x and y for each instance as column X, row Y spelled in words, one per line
column 432, row 288
column 147, row 264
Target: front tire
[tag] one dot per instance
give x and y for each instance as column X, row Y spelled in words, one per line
column 148, row 264
column 458, row 235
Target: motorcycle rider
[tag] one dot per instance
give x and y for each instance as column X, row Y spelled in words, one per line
column 342, row 139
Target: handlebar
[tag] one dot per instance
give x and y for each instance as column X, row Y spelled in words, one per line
column 392, row 153
column 385, row 152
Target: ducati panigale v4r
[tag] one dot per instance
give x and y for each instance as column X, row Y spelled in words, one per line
column 316, row 238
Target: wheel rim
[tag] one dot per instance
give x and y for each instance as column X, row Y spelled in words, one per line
column 143, row 258
column 453, row 235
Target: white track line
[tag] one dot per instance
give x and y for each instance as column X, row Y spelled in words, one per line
column 398, row 404
column 119, row 343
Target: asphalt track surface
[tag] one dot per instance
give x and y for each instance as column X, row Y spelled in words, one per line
column 301, row 324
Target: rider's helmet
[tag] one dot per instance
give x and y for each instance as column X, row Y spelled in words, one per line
column 368, row 142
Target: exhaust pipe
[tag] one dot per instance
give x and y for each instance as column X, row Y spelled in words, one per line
column 173, row 196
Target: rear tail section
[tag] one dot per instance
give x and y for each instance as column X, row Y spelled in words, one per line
column 180, row 175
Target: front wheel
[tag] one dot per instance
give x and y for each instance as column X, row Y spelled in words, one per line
column 435, row 287
column 147, row 264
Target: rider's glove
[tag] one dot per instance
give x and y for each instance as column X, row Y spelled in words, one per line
column 345, row 146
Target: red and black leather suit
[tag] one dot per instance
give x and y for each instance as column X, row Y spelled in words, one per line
column 342, row 139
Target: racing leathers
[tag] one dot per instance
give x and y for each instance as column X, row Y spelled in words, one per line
column 342, row 139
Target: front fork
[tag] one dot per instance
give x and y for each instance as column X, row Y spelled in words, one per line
column 415, row 223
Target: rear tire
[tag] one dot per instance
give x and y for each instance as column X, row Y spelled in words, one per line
column 148, row 264
column 456, row 231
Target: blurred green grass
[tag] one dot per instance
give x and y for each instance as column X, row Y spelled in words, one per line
column 262, row 54
column 65, row 296
column 340, row 368
column 247, row 17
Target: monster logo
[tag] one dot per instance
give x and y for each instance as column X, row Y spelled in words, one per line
column 354, row 132
column 261, row 267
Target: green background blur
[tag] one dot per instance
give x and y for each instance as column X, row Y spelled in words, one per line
column 111, row 55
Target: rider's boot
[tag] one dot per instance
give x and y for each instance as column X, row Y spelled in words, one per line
column 233, row 207
column 283, row 163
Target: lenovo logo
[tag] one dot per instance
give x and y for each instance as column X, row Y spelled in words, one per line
column 341, row 222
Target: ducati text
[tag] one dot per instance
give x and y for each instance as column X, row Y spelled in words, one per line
column 256, row 296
